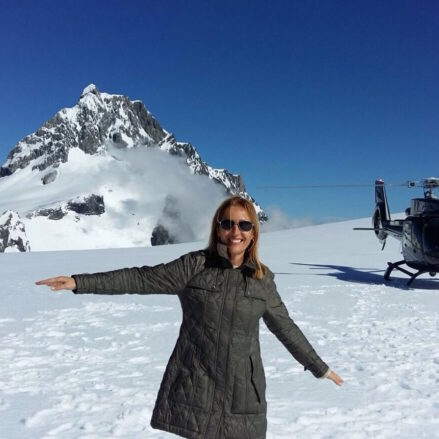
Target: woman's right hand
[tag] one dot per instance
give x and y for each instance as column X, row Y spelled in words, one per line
column 336, row 379
column 59, row 283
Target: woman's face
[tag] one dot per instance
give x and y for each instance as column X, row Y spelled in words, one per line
column 235, row 239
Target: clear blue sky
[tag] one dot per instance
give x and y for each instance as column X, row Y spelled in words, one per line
column 282, row 92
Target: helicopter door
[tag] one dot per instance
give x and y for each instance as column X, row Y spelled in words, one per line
column 412, row 242
column 407, row 242
column 431, row 240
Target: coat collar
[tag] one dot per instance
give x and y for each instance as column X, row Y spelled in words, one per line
column 222, row 259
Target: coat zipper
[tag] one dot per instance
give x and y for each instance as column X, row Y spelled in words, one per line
column 216, row 352
column 228, row 350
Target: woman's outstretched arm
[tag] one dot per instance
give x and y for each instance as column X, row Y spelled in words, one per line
column 167, row 278
column 279, row 322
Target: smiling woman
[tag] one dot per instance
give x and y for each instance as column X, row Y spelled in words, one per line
column 214, row 383
column 235, row 233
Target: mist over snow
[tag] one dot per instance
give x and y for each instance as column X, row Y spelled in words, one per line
column 135, row 184
column 194, row 197
column 279, row 220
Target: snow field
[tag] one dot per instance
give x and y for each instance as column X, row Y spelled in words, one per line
column 90, row 366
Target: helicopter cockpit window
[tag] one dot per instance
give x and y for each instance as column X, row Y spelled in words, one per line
column 431, row 235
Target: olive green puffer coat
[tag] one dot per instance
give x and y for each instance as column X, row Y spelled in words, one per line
column 214, row 384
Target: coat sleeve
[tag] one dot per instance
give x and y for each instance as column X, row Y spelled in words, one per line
column 167, row 278
column 279, row 322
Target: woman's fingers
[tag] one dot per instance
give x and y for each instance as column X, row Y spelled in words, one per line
column 58, row 283
column 335, row 378
column 46, row 281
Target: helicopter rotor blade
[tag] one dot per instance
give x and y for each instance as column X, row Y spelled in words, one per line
column 408, row 183
column 313, row 186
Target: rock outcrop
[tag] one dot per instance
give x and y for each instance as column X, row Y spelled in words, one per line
column 12, row 233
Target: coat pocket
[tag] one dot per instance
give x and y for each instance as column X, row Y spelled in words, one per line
column 191, row 385
column 258, row 381
column 254, row 289
column 207, row 280
column 249, row 389
column 182, row 388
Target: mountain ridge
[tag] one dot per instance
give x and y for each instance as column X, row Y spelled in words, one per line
column 125, row 144
column 49, row 145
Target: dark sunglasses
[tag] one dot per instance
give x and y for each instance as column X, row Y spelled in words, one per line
column 244, row 226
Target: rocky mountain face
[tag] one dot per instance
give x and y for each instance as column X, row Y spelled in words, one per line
column 12, row 233
column 89, row 205
column 97, row 121
column 99, row 124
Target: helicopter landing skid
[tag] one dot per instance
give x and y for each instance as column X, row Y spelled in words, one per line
column 397, row 266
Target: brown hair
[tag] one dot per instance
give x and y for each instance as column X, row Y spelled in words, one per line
column 252, row 249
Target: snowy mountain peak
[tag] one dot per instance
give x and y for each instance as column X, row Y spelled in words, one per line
column 90, row 89
column 97, row 121
column 112, row 153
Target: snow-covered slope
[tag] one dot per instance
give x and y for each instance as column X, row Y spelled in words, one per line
column 90, row 366
column 105, row 174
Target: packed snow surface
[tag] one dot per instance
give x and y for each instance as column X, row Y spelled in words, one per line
column 90, row 366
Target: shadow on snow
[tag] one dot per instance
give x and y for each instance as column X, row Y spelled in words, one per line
column 368, row 276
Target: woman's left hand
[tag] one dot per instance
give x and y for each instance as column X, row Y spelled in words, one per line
column 335, row 378
column 59, row 283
